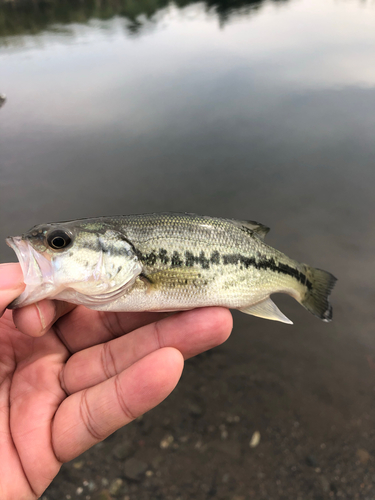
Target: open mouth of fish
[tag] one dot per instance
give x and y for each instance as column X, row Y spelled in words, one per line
column 37, row 272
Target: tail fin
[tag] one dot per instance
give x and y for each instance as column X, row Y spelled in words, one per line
column 316, row 298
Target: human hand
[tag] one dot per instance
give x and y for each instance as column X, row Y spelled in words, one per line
column 70, row 376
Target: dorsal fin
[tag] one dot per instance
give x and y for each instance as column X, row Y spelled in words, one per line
column 259, row 229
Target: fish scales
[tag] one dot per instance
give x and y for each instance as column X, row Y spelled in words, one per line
column 174, row 262
column 192, row 260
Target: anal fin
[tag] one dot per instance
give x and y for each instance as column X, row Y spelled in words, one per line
column 267, row 309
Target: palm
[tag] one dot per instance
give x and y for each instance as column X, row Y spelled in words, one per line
column 70, row 384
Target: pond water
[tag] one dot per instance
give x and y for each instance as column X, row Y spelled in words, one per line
column 253, row 110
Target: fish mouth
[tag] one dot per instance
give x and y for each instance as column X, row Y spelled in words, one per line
column 37, row 272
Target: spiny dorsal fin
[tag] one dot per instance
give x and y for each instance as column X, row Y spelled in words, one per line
column 259, row 229
column 267, row 309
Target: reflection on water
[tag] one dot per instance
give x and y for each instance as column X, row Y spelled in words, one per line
column 22, row 17
column 210, row 109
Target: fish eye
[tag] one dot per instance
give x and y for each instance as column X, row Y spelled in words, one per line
column 58, row 239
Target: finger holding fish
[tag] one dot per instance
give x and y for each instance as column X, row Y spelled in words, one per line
column 89, row 416
column 36, row 319
column 83, row 328
column 190, row 332
column 11, row 284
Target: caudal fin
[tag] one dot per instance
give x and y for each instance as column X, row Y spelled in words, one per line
column 316, row 298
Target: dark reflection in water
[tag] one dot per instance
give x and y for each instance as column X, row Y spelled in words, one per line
column 267, row 117
column 23, row 17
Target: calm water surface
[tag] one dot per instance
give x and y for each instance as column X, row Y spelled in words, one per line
column 262, row 110
column 259, row 110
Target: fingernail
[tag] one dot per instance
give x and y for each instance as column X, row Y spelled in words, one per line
column 41, row 316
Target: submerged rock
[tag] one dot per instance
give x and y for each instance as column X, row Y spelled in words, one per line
column 135, row 469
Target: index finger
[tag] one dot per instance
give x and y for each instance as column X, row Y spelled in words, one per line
column 11, row 284
column 76, row 326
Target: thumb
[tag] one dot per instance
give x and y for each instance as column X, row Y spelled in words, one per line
column 11, row 284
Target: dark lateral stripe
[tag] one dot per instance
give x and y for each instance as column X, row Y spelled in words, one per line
column 176, row 259
column 189, row 260
column 267, row 265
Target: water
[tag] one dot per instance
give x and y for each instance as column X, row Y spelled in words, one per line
column 259, row 110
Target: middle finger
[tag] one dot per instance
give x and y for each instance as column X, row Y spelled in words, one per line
column 83, row 328
column 190, row 332
column 76, row 326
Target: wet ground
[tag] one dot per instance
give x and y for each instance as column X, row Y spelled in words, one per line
column 251, row 110
column 310, row 405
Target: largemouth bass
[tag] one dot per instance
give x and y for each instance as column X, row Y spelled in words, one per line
column 165, row 262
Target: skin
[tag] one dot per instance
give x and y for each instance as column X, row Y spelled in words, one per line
column 69, row 377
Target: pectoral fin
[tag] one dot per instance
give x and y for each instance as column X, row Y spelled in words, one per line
column 267, row 309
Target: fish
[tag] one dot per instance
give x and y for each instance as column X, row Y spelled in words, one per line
column 165, row 262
